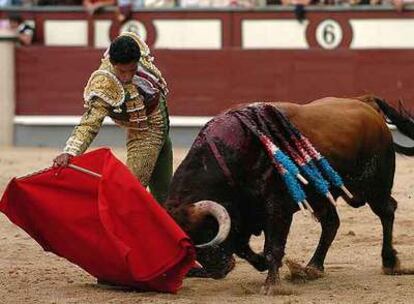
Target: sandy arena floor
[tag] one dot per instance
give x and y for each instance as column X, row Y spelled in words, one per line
column 353, row 265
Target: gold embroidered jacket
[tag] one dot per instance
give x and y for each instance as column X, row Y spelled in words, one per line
column 104, row 95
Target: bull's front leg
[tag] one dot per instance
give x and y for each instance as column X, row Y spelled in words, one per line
column 328, row 217
column 278, row 224
column 244, row 251
column 330, row 223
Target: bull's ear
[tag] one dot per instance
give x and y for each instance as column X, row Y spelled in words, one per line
column 197, row 212
column 181, row 215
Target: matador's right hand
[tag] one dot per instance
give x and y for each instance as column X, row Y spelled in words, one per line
column 62, row 160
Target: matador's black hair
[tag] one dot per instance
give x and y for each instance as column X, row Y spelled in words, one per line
column 124, row 49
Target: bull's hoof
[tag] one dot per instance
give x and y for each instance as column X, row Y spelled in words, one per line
column 389, row 271
column 300, row 274
column 274, row 290
column 394, row 270
column 397, row 269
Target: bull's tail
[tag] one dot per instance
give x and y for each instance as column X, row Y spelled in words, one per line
column 401, row 118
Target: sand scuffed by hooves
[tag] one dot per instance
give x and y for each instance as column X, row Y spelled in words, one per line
column 301, row 274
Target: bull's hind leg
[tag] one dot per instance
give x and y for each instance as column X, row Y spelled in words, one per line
column 385, row 212
column 277, row 228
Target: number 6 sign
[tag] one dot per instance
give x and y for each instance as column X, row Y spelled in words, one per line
column 329, row 34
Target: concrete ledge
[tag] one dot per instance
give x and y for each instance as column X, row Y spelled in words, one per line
column 69, row 120
column 109, row 135
column 53, row 131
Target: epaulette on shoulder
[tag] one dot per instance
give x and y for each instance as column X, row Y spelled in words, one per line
column 105, row 85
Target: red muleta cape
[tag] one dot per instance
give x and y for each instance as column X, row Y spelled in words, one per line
column 110, row 226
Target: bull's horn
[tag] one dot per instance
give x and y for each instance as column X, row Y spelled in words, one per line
column 222, row 217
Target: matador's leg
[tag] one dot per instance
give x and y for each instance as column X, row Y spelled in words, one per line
column 143, row 148
column 161, row 176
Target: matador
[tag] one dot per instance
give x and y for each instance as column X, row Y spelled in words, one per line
column 129, row 89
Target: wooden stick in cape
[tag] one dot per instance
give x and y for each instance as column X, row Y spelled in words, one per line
column 83, row 170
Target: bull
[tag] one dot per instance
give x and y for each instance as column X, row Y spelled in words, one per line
column 226, row 190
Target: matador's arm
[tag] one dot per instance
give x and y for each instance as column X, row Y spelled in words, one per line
column 85, row 132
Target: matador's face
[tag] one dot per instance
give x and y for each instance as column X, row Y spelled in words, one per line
column 125, row 71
